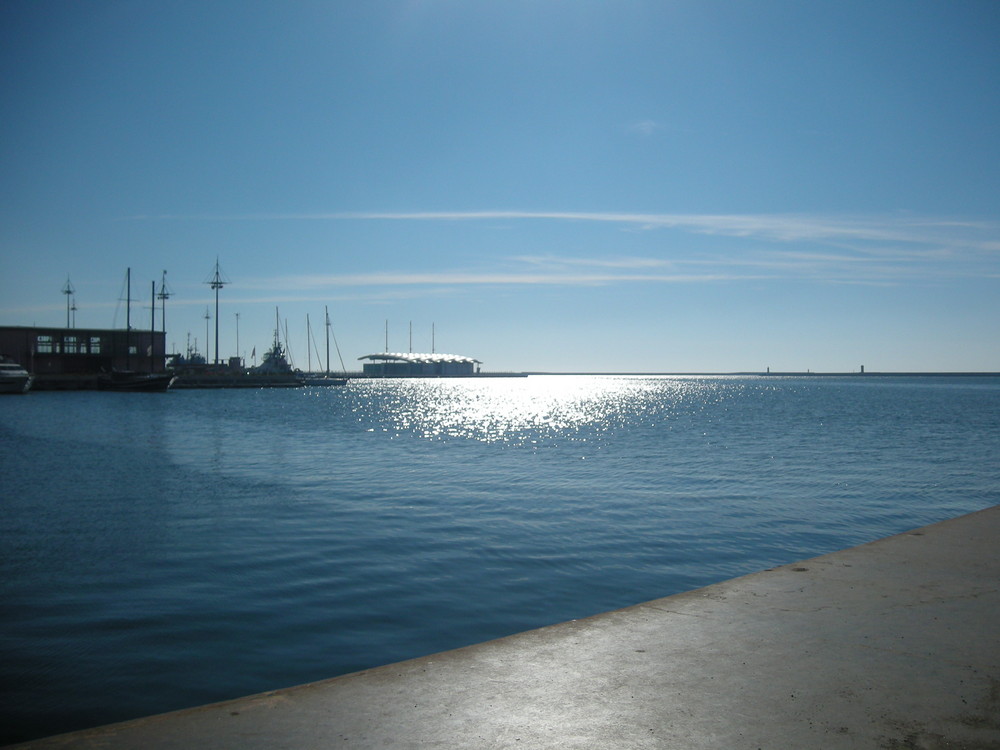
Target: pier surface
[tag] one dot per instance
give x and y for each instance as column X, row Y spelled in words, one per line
column 893, row 644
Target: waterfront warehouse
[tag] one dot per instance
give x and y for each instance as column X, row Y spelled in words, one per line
column 395, row 365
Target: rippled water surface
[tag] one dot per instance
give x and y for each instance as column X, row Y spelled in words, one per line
column 165, row 550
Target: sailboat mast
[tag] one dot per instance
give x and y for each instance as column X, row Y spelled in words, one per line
column 309, row 349
column 216, row 322
column 216, row 282
column 128, row 317
column 163, row 296
column 326, row 313
column 152, row 326
column 288, row 351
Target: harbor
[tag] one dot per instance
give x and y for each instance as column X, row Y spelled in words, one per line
column 585, row 375
column 71, row 358
column 136, row 359
column 891, row 644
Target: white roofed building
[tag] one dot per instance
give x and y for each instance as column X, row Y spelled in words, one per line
column 412, row 365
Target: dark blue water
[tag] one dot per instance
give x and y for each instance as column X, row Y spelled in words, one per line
column 164, row 550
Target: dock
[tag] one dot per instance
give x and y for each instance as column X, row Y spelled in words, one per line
column 893, row 644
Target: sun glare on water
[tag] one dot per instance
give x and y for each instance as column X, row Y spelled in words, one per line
column 522, row 410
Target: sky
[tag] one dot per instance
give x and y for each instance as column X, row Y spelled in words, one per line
column 544, row 185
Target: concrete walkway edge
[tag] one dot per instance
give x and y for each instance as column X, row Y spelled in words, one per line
column 892, row 644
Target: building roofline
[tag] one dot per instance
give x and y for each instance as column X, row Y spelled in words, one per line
column 417, row 358
column 79, row 329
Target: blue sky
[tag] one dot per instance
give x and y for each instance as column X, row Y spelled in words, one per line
column 660, row 186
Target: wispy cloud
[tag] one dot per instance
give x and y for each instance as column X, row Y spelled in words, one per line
column 781, row 227
column 981, row 235
column 563, row 261
column 888, row 249
column 644, row 127
column 561, row 278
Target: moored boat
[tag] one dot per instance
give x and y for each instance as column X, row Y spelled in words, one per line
column 230, row 376
column 119, row 380
column 274, row 368
column 273, row 372
column 322, row 380
column 13, row 377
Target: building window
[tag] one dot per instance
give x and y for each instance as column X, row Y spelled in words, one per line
column 95, row 344
column 44, row 345
column 69, row 345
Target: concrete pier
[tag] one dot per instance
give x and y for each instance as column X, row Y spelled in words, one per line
column 893, row 644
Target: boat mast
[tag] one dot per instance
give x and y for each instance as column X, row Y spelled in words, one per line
column 216, row 282
column 128, row 317
column 152, row 327
column 68, row 290
column 326, row 313
column 309, row 350
column 288, row 352
column 163, row 296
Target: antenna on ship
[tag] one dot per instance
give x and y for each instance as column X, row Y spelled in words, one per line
column 216, row 282
column 207, row 317
column 68, row 290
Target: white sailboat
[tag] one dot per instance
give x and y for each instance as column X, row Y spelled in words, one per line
column 324, row 379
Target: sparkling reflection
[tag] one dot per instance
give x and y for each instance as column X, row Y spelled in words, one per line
column 525, row 410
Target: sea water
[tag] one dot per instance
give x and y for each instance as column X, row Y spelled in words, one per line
column 159, row 551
